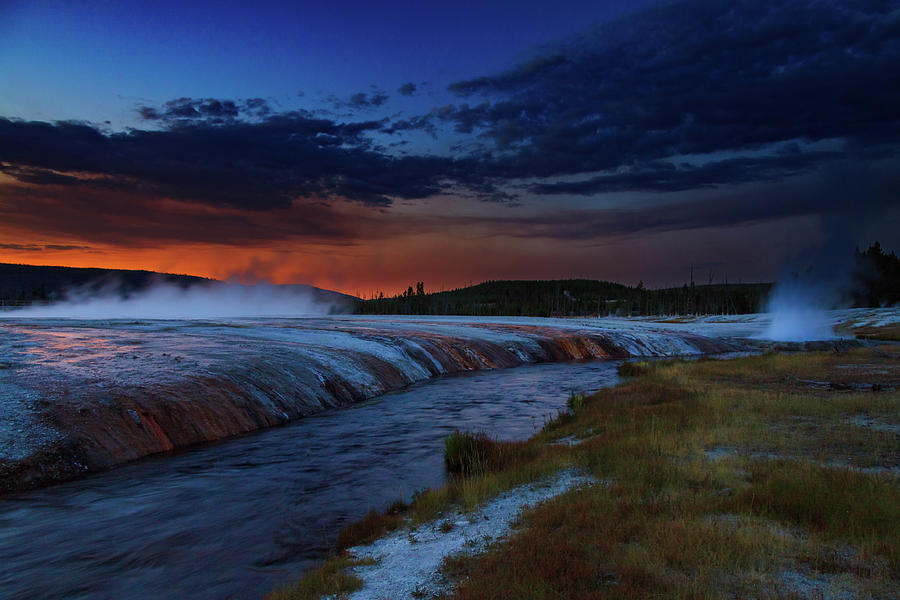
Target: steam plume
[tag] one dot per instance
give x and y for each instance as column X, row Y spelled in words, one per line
column 799, row 312
column 212, row 301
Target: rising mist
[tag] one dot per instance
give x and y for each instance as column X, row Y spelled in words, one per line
column 799, row 313
column 163, row 300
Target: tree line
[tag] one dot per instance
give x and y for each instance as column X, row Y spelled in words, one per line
column 875, row 282
column 569, row 297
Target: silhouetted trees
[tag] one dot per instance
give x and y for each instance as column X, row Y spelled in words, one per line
column 876, row 283
column 572, row 297
column 877, row 277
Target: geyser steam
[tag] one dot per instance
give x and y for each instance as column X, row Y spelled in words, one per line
column 799, row 312
column 210, row 301
column 814, row 283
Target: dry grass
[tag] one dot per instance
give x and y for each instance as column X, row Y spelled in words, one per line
column 676, row 524
column 372, row 526
column 330, row 579
column 885, row 333
column 841, row 504
column 773, row 518
column 468, row 493
column 467, row 454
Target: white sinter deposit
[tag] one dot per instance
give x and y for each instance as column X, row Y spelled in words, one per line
column 115, row 390
column 407, row 562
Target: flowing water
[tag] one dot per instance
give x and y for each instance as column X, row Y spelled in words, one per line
column 237, row 518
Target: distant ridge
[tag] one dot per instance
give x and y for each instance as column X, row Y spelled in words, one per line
column 22, row 285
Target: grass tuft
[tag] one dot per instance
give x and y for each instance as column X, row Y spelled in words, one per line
column 575, row 401
column 369, row 528
column 330, row 579
column 469, row 454
column 635, row 368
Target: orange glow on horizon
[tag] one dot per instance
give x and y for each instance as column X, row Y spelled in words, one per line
column 378, row 254
column 441, row 260
column 359, row 270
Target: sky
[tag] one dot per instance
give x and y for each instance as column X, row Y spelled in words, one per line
column 364, row 146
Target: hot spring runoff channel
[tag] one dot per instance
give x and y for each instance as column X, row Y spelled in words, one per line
column 236, row 518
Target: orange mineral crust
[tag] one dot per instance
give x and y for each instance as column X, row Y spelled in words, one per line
column 105, row 393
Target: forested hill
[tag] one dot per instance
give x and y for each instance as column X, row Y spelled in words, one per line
column 875, row 281
column 25, row 284
column 571, row 297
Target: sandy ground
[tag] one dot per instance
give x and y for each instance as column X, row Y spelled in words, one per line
column 408, row 561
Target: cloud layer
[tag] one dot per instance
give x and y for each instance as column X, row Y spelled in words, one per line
column 689, row 95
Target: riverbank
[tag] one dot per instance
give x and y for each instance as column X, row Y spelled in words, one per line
column 279, row 495
column 82, row 396
column 78, row 397
column 766, row 476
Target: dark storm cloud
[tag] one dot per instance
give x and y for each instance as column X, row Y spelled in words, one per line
column 38, row 176
column 148, row 113
column 212, row 110
column 691, row 94
column 511, row 80
column 694, row 77
column 661, row 176
column 22, row 247
column 65, row 247
column 100, row 216
column 362, row 100
column 835, row 194
column 424, row 123
column 257, row 165
column 257, row 107
column 41, row 247
column 145, row 220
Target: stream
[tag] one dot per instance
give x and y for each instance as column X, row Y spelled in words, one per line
column 237, row 518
